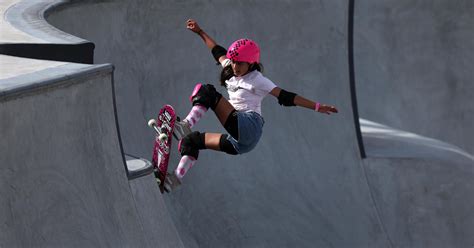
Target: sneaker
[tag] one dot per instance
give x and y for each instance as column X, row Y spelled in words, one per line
column 171, row 182
column 181, row 129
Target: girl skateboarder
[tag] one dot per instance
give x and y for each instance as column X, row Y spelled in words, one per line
column 241, row 114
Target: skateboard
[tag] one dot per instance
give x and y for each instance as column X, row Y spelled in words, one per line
column 164, row 127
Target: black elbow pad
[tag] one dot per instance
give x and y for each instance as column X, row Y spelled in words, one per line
column 218, row 51
column 286, row 98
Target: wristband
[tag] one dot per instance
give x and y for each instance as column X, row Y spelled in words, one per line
column 318, row 105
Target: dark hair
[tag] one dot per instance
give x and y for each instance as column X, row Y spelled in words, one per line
column 227, row 72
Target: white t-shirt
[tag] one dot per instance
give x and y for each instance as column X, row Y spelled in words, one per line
column 247, row 92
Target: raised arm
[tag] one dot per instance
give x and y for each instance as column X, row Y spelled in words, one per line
column 218, row 52
column 286, row 98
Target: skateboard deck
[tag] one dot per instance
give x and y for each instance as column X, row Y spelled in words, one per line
column 164, row 127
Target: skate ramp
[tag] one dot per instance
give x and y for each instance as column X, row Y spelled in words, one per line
column 25, row 33
column 63, row 177
column 420, row 186
column 413, row 62
column 305, row 184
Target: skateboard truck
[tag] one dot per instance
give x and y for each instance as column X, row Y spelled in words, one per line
column 160, row 131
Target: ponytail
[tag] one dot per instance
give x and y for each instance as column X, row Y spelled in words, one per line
column 226, row 74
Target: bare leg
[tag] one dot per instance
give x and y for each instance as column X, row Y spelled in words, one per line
column 223, row 110
column 212, row 141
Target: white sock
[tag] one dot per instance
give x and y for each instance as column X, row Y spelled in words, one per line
column 184, row 165
column 195, row 115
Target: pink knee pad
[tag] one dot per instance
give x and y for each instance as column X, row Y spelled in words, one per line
column 195, row 91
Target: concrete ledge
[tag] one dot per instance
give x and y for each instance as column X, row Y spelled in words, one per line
column 138, row 167
column 28, row 17
column 29, row 35
column 382, row 141
column 49, row 74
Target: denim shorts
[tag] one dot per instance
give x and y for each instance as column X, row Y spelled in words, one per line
column 250, row 131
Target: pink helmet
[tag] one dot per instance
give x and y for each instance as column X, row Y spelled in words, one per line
column 244, row 50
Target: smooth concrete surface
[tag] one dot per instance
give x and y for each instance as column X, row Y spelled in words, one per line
column 138, row 167
column 25, row 33
column 63, row 178
column 276, row 195
column 8, row 32
column 384, row 141
column 413, row 62
column 24, row 22
column 9, row 67
column 420, row 186
column 305, row 184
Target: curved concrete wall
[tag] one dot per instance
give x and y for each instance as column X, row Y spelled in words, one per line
column 61, row 162
column 414, row 66
column 293, row 188
column 63, row 178
column 305, row 183
column 25, row 33
column 421, row 187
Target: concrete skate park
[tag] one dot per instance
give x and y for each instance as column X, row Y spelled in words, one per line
column 394, row 168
